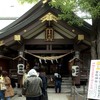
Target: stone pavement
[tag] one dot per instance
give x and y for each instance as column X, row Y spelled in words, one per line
column 64, row 95
column 51, row 96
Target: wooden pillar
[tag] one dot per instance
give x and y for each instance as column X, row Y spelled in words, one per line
column 21, row 61
column 77, row 78
column 77, row 61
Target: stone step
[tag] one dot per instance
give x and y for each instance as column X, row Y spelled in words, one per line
column 67, row 82
column 65, row 86
column 65, row 78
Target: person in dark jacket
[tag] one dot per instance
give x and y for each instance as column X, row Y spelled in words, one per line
column 32, row 87
column 58, row 80
column 42, row 75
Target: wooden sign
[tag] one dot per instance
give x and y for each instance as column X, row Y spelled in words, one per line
column 49, row 34
column 94, row 80
column 80, row 37
column 17, row 37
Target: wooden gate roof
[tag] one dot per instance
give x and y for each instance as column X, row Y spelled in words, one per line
column 29, row 26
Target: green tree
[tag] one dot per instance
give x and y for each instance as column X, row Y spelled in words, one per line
column 28, row 1
column 92, row 7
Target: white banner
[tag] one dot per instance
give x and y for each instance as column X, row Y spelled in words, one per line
column 94, row 80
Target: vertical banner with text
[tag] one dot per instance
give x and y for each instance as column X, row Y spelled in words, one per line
column 94, row 80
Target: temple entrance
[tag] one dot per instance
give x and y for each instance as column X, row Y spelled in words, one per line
column 51, row 66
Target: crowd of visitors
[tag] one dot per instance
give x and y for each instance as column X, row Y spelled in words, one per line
column 34, row 84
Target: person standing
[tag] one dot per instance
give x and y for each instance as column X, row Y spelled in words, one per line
column 32, row 87
column 43, row 76
column 58, row 80
column 9, row 92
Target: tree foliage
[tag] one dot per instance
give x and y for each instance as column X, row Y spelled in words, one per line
column 68, row 7
column 90, row 6
column 28, row 1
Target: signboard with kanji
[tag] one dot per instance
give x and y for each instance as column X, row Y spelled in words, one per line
column 94, row 80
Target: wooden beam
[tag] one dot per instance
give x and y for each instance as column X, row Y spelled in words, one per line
column 33, row 29
column 65, row 30
column 34, row 32
column 9, row 39
column 76, row 29
column 57, row 31
column 43, row 42
column 5, row 57
column 48, row 51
